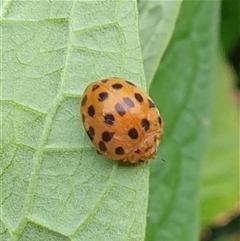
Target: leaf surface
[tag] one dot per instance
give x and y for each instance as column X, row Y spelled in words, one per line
column 156, row 24
column 54, row 186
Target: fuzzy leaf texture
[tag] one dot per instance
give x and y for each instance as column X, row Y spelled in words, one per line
column 54, row 186
column 157, row 20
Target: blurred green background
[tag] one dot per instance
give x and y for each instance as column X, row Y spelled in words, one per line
column 222, row 214
column 219, row 192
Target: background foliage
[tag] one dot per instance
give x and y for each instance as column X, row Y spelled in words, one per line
column 53, row 185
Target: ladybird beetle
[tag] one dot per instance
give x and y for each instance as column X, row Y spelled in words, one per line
column 121, row 120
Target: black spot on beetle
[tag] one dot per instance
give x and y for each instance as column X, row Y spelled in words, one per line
column 104, row 80
column 138, row 97
column 109, row 119
column 145, row 124
column 130, row 83
column 132, row 133
column 102, row 96
column 159, row 120
column 117, row 86
column 128, row 102
column 95, row 87
column 107, row 136
column 91, row 111
column 91, row 132
column 119, row 109
column 150, row 104
column 84, row 100
column 102, row 146
column 119, row 151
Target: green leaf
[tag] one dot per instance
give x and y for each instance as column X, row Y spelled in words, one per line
column 156, row 24
column 220, row 172
column 54, row 186
column 3, row 231
column 181, row 90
